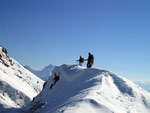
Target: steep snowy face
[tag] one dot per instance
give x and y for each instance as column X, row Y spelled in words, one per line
column 75, row 89
column 18, row 86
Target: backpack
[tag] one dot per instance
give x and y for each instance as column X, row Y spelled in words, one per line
column 82, row 60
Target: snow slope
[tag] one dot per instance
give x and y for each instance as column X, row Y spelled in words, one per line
column 18, row 86
column 82, row 90
column 43, row 73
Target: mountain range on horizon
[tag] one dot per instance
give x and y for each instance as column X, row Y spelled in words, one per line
column 143, row 84
column 43, row 73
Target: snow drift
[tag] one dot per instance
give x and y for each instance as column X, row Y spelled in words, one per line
column 82, row 90
column 18, row 86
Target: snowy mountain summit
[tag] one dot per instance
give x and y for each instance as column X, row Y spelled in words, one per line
column 75, row 89
column 18, row 86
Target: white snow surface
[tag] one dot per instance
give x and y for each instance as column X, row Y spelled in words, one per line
column 18, row 86
column 89, row 90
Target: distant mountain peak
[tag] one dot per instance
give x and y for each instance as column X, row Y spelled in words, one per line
column 43, row 73
column 143, row 84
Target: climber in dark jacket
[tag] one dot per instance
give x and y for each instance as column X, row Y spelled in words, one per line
column 56, row 78
column 90, row 60
column 81, row 60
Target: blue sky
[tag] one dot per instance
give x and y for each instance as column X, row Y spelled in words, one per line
column 42, row 32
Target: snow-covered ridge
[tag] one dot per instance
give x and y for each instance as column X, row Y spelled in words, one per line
column 18, row 86
column 82, row 90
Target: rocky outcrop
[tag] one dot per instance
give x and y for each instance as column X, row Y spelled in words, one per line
column 5, row 58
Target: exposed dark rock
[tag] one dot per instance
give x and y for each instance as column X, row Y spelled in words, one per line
column 4, row 50
column 19, row 71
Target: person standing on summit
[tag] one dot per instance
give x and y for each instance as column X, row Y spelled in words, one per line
column 90, row 60
column 81, row 60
